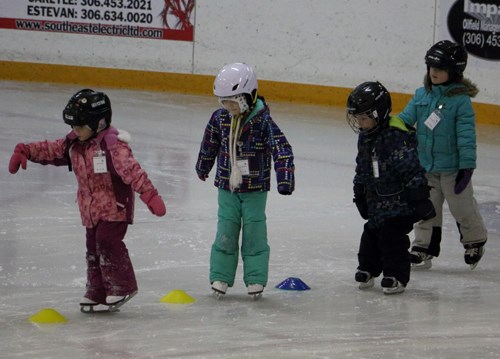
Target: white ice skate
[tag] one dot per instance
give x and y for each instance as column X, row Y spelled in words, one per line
column 87, row 305
column 219, row 289
column 255, row 291
column 113, row 303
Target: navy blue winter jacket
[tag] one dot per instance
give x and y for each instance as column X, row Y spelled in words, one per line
column 388, row 185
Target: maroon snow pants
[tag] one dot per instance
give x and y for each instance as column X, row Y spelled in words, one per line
column 109, row 268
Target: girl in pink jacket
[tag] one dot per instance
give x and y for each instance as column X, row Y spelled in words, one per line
column 107, row 175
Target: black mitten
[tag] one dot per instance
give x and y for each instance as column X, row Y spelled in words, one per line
column 284, row 190
column 424, row 209
column 360, row 200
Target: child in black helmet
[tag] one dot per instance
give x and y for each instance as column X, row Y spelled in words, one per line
column 390, row 188
column 445, row 121
column 107, row 175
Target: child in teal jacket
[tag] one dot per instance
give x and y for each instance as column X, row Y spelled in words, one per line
column 443, row 115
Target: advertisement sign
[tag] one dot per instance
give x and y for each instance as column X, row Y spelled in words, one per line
column 476, row 25
column 147, row 19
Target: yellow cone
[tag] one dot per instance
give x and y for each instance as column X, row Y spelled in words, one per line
column 177, row 296
column 47, row 315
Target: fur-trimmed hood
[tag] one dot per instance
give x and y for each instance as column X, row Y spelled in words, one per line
column 124, row 136
column 464, row 86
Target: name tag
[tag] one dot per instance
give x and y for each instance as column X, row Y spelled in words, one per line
column 100, row 162
column 376, row 173
column 432, row 120
column 243, row 167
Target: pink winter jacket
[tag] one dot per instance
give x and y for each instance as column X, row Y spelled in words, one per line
column 105, row 196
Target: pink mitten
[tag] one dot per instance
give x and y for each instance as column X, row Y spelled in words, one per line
column 19, row 158
column 154, row 203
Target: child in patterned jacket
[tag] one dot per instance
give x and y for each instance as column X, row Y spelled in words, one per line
column 390, row 188
column 243, row 138
column 107, row 176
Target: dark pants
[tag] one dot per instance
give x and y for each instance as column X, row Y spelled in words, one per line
column 385, row 249
column 109, row 269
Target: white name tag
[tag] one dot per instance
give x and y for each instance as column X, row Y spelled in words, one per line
column 100, row 162
column 376, row 173
column 432, row 120
column 243, row 166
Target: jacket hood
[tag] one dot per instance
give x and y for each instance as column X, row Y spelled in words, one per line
column 462, row 87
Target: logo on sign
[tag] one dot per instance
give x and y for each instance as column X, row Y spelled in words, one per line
column 476, row 25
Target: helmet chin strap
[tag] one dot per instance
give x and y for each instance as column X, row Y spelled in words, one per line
column 100, row 127
column 240, row 99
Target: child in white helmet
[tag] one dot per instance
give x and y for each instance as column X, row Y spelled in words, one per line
column 243, row 139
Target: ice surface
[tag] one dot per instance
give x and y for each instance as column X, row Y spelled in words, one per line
column 447, row 312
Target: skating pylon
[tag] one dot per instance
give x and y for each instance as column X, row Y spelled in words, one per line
column 293, row 283
column 47, row 316
column 177, row 296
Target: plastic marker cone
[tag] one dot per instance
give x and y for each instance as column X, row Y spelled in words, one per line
column 47, row 316
column 293, row 283
column 177, row 296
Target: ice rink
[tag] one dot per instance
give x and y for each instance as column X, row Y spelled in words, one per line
column 447, row 312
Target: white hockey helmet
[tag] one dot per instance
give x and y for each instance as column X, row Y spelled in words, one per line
column 237, row 82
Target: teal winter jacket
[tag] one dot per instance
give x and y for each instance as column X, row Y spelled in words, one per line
column 451, row 145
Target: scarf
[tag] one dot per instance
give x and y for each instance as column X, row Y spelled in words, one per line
column 236, row 177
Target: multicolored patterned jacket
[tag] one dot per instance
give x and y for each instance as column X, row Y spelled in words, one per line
column 387, row 188
column 260, row 140
column 107, row 196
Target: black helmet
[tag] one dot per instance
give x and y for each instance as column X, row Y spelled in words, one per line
column 88, row 107
column 372, row 99
column 447, row 55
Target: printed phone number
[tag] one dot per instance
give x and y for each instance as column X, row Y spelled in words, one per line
column 109, row 15
column 480, row 39
column 119, row 4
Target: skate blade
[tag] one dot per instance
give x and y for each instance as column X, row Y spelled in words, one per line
column 473, row 266
column 218, row 295
column 256, row 296
column 367, row 285
column 115, row 306
column 425, row 265
column 392, row 291
column 96, row 309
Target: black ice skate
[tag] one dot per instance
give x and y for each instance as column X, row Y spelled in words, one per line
column 473, row 254
column 420, row 260
column 391, row 285
column 365, row 279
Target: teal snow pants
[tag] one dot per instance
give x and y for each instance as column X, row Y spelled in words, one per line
column 237, row 210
